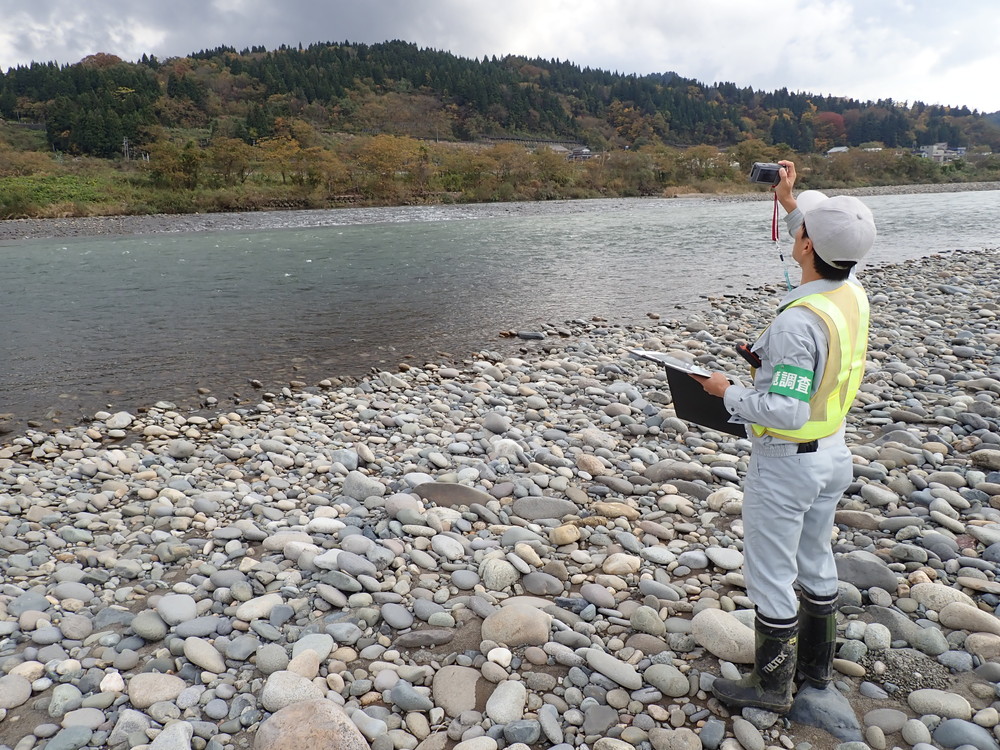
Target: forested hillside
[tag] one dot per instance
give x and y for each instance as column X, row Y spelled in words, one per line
column 335, row 120
column 401, row 89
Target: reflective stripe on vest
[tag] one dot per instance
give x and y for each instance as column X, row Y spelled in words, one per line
column 844, row 312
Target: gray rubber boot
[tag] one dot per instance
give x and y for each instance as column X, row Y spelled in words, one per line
column 769, row 685
column 817, row 638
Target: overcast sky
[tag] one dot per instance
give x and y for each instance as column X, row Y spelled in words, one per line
column 906, row 50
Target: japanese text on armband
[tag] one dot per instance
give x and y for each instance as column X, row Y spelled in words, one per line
column 792, row 381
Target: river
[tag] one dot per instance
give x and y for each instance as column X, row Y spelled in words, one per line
column 117, row 322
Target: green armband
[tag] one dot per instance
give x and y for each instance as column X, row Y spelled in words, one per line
column 792, row 381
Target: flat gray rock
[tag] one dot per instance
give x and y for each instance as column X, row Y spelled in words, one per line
column 360, row 486
column 828, row 710
column 28, row 601
column 454, row 689
column 663, row 471
column 424, row 638
column 451, row 495
column 865, row 570
column 397, row 616
column 621, row 672
column 534, row 508
column 957, row 733
column 15, row 690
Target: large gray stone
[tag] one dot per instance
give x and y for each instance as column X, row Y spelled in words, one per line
column 424, row 638
column 939, row 702
column 28, row 601
column 147, row 688
column 828, row 710
column 534, row 508
column 174, row 609
column 900, row 626
column 956, row 733
column 284, row 688
column 615, row 669
column 667, row 679
column 397, row 616
column 454, row 689
column 406, row 698
column 723, row 635
column 15, row 690
column 518, row 625
column 129, row 722
column 175, row 736
column 507, row 701
column 937, row 596
column 360, row 486
column 309, row 724
column 451, row 495
column 663, row 471
column 865, row 570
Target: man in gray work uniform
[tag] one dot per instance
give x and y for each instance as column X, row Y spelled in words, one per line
column 811, row 360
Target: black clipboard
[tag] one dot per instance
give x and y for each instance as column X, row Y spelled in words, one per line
column 691, row 402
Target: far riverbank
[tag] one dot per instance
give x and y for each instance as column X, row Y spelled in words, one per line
column 94, row 226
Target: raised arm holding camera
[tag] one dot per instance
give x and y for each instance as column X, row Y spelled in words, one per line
column 812, row 359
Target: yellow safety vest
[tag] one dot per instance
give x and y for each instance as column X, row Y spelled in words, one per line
column 844, row 312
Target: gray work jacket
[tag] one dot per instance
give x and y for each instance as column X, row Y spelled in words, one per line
column 798, row 338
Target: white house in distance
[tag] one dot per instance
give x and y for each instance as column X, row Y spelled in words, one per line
column 940, row 152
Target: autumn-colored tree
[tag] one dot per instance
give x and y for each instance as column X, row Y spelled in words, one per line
column 829, row 131
column 630, row 173
column 552, row 168
column 385, row 162
column 666, row 164
column 630, row 123
column 745, row 153
column 178, row 113
column 840, row 169
column 100, row 60
column 510, row 162
column 231, row 159
column 296, row 129
column 279, row 155
column 171, row 166
column 463, row 170
column 424, row 170
column 191, row 160
column 704, row 162
column 164, row 166
column 319, row 167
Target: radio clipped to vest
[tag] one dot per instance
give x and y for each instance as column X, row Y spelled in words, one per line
column 749, row 355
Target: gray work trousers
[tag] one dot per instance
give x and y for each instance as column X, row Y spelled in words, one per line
column 788, row 508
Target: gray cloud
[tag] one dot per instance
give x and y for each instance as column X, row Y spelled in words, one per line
column 868, row 49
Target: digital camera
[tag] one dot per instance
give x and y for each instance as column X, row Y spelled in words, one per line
column 765, row 173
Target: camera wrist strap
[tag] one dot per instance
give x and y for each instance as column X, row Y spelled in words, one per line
column 775, row 238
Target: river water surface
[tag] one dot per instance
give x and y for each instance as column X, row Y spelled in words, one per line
column 118, row 322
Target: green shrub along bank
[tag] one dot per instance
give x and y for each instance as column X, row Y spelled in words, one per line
column 292, row 171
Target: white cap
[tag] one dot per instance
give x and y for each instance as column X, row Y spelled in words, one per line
column 807, row 200
column 842, row 228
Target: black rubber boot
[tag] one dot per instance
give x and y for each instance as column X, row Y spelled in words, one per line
column 769, row 685
column 817, row 638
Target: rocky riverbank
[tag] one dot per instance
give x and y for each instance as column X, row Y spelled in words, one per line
column 520, row 552
column 95, row 226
